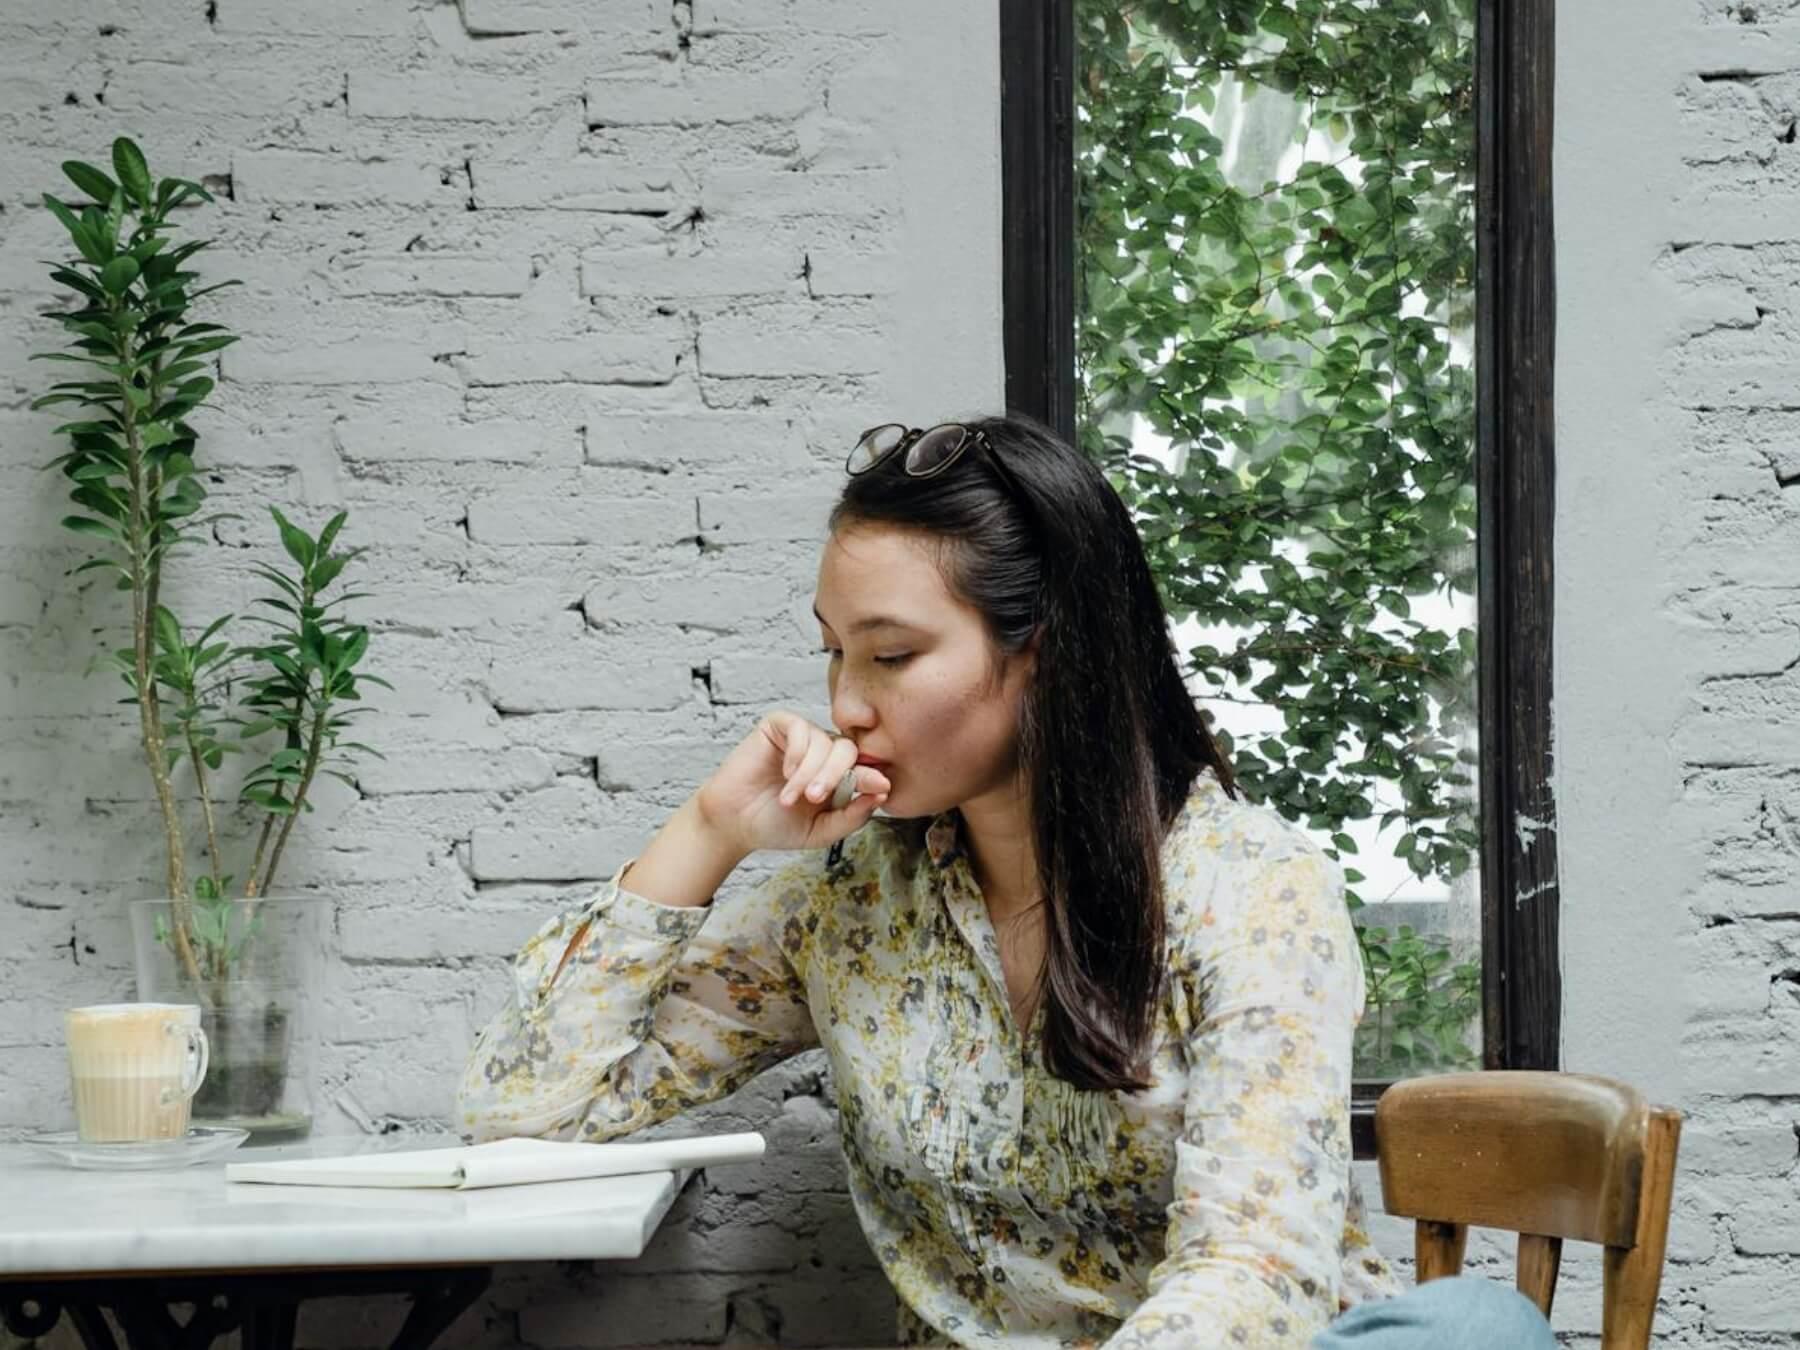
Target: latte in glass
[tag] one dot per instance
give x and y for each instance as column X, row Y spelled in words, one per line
column 134, row 1069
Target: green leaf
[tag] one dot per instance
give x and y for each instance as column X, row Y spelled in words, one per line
column 116, row 277
column 297, row 542
column 326, row 572
column 83, row 525
column 168, row 632
column 95, row 223
column 115, row 215
column 78, row 231
column 101, row 563
column 354, row 649
column 134, row 174
column 328, row 536
column 204, row 345
column 270, row 575
column 90, row 180
column 75, row 281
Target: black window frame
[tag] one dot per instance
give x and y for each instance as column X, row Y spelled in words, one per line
column 1515, row 287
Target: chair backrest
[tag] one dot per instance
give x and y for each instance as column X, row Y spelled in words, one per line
column 1547, row 1155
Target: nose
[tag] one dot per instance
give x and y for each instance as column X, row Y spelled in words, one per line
column 850, row 710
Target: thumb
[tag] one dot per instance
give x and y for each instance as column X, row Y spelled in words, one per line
column 847, row 820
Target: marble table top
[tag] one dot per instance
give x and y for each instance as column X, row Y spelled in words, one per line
column 57, row 1220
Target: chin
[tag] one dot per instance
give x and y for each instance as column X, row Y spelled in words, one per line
column 903, row 806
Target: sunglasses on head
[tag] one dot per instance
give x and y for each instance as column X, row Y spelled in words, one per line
column 924, row 453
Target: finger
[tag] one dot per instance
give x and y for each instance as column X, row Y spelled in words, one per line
column 818, row 746
column 817, row 776
column 792, row 729
column 845, row 791
column 840, row 761
column 860, row 781
column 854, row 816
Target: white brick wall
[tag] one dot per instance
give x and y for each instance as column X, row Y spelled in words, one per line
column 576, row 305
column 1678, row 621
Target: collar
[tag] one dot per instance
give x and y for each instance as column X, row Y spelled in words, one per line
column 943, row 838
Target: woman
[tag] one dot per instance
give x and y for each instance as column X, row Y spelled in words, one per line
column 1088, row 1013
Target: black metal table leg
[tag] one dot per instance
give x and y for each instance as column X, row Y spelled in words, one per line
column 270, row 1326
column 91, row 1325
column 265, row 1307
column 435, row 1308
column 142, row 1311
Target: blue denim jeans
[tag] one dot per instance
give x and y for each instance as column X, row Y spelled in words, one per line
column 1460, row 1313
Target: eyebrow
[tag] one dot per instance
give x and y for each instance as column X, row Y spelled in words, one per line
column 872, row 621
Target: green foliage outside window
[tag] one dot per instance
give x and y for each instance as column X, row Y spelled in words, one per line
column 1302, row 338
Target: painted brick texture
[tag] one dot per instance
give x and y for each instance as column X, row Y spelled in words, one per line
column 576, row 305
column 1679, row 266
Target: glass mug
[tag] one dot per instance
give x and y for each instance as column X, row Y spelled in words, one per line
column 134, row 1069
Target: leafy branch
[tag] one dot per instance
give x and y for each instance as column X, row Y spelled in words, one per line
column 1275, row 263
column 1299, row 338
column 145, row 370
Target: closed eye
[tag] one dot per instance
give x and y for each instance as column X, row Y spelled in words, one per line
column 896, row 660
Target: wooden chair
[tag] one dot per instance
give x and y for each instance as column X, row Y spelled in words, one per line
column 1547, row 1155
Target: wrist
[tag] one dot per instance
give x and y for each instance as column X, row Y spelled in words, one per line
column 711, row 834
column 686, row 862
column 711, row 840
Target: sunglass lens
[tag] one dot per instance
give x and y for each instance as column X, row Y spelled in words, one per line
column 934, row 450
column 872, row 447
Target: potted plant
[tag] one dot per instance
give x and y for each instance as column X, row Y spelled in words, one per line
column 221, row 938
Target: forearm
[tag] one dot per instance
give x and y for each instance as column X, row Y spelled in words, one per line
column 625, row 1012
column 683, row 867
column 558, row 1052
column 687, row 861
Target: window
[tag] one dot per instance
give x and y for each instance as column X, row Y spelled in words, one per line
column 1310, row 339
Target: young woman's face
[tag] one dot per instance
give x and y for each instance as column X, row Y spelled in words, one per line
column 912, row 673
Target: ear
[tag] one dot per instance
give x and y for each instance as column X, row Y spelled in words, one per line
column 1026, row 658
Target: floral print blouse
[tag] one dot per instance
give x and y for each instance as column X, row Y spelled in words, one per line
column 1214, row 1208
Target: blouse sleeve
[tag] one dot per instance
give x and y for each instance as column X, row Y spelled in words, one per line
column 659, row 1008
column 1262, row 1167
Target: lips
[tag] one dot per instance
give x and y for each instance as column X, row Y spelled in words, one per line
column 873, row 763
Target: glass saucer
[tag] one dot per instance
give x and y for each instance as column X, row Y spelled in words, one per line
column 200, row 1143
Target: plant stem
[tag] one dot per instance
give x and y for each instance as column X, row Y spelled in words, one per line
column 315, row 746
column 206, row 810
column 254, row 887
column 251, row 888
column 143, row 583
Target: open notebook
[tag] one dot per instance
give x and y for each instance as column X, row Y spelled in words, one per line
column 504, row 1162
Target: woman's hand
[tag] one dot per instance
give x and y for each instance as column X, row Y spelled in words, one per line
column 774, row 790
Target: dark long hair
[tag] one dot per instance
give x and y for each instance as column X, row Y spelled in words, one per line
column 1110, row 738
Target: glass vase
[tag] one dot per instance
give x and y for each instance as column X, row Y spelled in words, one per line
column 255, row 968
